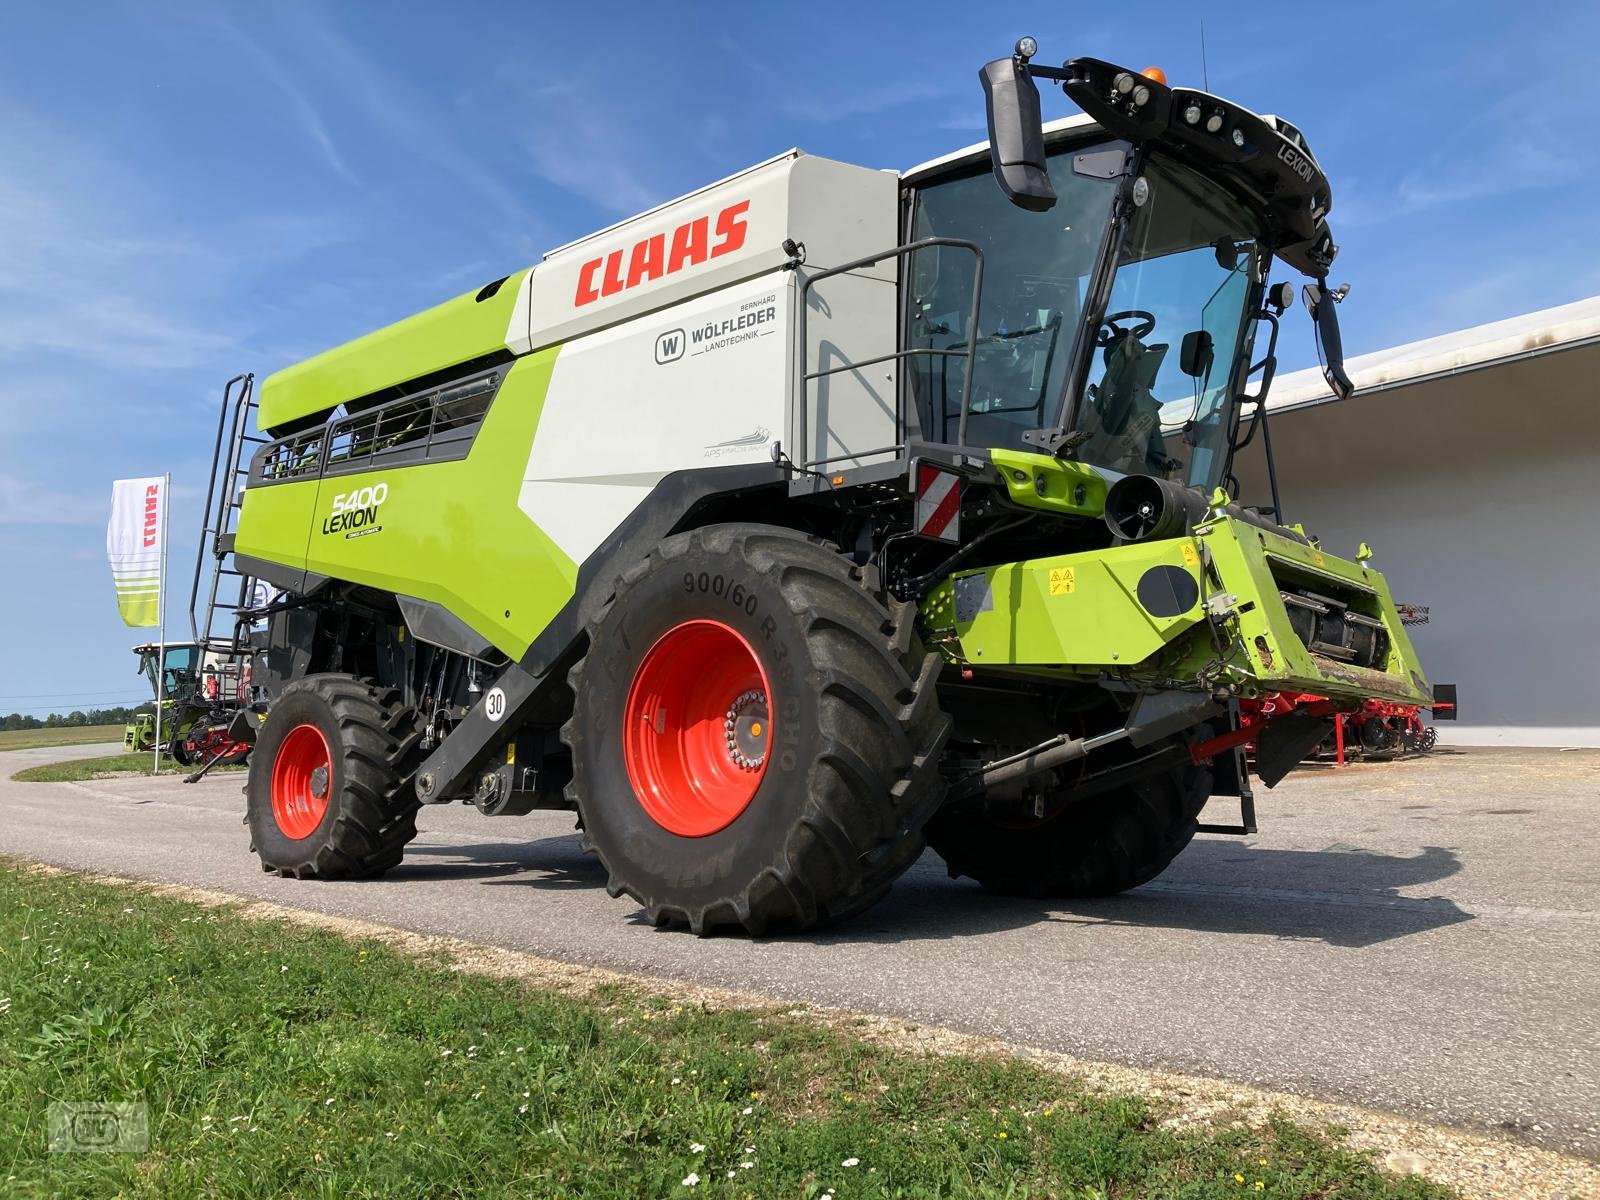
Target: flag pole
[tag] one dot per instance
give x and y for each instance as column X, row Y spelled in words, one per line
column 161, row 624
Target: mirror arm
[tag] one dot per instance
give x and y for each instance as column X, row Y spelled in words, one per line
column 1054, row 74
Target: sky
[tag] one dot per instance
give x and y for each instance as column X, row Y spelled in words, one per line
column 189, row 191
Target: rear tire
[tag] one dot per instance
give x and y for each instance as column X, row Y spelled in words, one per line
column 330, row 793
column 1104, row 845
column 698, row 812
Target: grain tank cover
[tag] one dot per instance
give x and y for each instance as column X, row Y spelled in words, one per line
column 729, row 231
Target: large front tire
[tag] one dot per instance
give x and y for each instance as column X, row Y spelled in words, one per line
column 755, row 735
column 329, row 794
column 1101, row 846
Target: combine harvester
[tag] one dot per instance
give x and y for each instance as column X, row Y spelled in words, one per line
column 818, row 516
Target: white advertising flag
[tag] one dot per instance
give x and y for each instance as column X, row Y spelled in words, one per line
column 134, row 544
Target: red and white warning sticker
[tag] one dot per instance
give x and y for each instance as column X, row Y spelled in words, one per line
column 938, row 503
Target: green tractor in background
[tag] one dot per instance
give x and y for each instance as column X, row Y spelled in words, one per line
column 198, row 695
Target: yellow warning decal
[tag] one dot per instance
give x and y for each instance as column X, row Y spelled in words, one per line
column 1317, row 558
column 511, row 751
column 1063, row 581
column 1189, row 556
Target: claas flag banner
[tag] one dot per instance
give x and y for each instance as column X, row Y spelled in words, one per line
column 134, row 544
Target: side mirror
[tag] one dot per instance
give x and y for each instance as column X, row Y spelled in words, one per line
column 1195, row 353
column 1016, row 134
column 1228, row 253
column 1323, row 306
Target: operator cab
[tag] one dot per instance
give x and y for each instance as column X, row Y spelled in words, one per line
column 1124, row 263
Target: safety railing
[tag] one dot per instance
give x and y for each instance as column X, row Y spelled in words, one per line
column 434, row 426
column 807, row 377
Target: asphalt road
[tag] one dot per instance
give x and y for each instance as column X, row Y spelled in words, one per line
column 1421, row 936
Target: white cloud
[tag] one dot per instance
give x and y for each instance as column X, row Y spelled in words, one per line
column 1496, row 144
column 826, row 107
column 276, row 73
column 588, row 155
column 24, row 502
column 398, row 111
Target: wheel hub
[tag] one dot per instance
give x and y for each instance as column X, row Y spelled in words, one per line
column 746, row 729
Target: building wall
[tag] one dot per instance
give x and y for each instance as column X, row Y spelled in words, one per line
column 1480, row 496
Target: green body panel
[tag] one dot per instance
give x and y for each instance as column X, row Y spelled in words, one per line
column 1252, row 563
column 276, row 522
column 449, row 532
column 1079, row 614
column 1052, row 484
column 1074, row 610
column 140, row 733
column 456, row 331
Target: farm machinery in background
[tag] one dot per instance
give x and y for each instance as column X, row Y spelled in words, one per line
column 203, row 687
column 199, row 690
column 1377, row 729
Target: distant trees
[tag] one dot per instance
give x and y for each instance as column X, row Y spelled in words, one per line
column 74, row 719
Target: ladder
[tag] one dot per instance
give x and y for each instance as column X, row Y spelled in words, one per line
column 227, row 603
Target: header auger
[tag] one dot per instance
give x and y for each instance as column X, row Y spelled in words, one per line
column 820, row 515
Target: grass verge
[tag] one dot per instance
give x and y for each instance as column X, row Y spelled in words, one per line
column 78, row 769
column 81, row 735
column 277, row 1059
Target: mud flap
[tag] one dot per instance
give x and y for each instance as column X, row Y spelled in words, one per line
column 1287, row 740
column 244, row 726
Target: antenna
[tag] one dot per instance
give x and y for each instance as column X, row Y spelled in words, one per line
column 1205, row 75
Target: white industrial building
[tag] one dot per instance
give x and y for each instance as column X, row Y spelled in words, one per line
column 1471, row 464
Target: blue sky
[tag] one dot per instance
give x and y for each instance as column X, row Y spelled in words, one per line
column 188, row 191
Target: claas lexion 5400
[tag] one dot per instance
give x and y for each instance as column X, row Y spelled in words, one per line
column 819, row 516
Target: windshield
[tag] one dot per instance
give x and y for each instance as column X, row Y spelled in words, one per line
column 1036, row 273
column 1159, row 399
column 1185, row 267
column 179, row 669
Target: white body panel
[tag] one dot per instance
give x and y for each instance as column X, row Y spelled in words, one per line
column 678, row 341
column 711, row 238
column 635, row 402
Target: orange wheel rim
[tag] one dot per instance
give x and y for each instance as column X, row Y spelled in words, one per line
column 302, row 778
column 697, row 728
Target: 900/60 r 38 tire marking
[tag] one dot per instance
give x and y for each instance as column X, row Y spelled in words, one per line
column 844, row 768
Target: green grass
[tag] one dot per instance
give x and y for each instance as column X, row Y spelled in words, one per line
column 81, row 735
column 79, row 769
column 281, row 1060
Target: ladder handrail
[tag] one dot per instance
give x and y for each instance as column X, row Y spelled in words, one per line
column 222, row 500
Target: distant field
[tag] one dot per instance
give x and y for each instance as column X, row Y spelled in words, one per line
column 29, row 739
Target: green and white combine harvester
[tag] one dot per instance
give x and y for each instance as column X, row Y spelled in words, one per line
column 819, row 516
